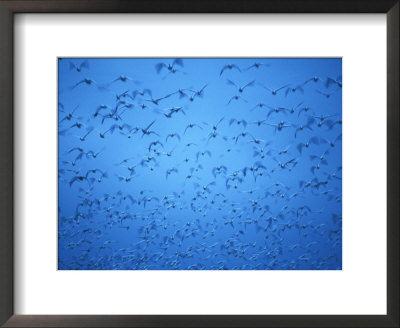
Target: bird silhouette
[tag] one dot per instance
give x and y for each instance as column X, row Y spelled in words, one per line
column 170, row 67
column 191, row 126
column 273, row 92
column 147, row 132
column 337, row 81
column 229, row 67
column 173, row 135
column 78, row 68
column 241, row 88
column 257, row 65
column 84, row 81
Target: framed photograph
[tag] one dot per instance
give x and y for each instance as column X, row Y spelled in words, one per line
column 199, row 164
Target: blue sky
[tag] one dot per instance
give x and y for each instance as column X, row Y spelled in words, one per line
column 299, row 230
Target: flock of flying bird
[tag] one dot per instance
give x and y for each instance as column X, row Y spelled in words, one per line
column 196, row 182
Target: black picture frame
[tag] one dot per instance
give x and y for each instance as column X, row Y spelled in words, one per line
column 10, row 7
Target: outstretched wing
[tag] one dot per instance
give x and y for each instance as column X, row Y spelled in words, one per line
column 178, row 61
column 282, row 87
column 223, row 69
column 159, row 67
column 220, row 121
column 250, row 84
column 231, row 83
column 300, row 147
column 237, row 67
column 149, row 126
column 84, row 64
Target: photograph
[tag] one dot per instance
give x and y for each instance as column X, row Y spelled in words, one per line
column 199, row 163
column 185, row 163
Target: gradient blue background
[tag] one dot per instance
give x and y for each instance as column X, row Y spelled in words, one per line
column 100, row 228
